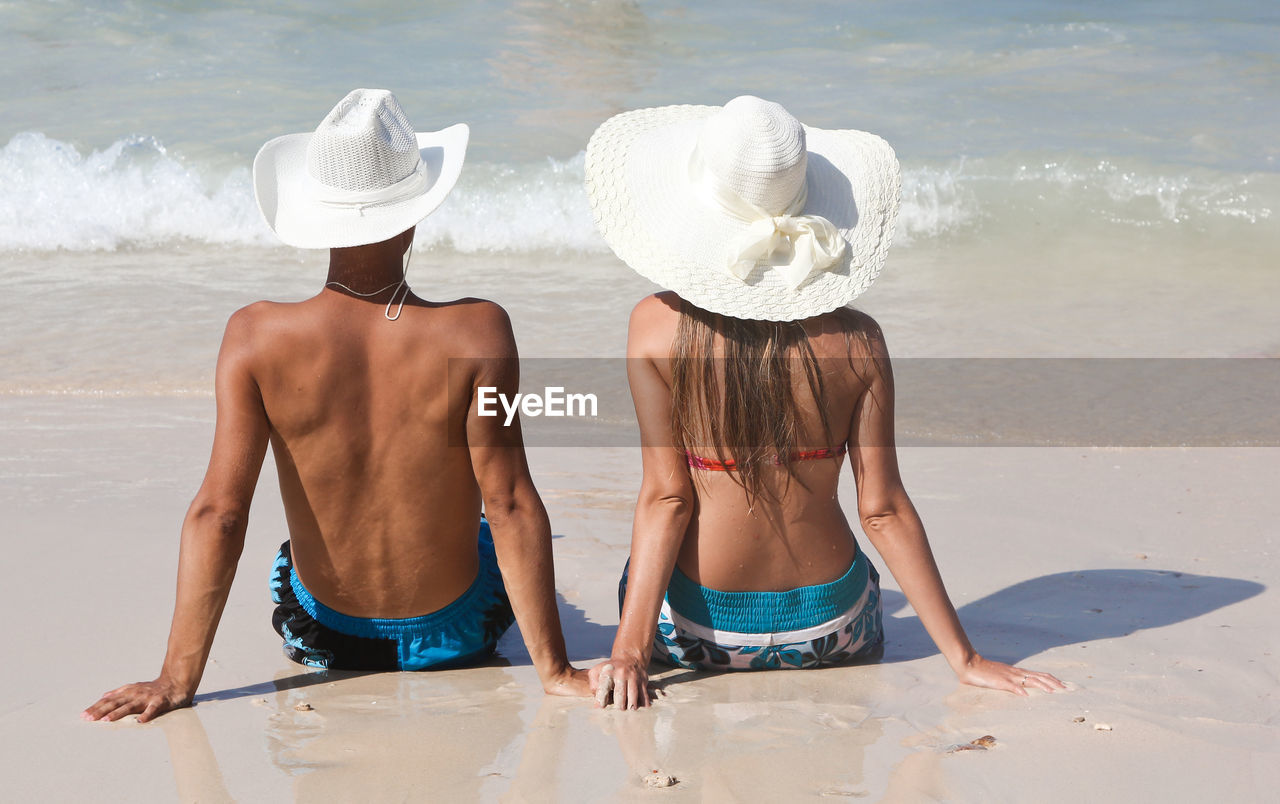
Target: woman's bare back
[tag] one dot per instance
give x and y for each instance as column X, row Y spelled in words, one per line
column 797, row 534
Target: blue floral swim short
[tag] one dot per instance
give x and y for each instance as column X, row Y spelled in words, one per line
column 463, row 632
column 810, row 626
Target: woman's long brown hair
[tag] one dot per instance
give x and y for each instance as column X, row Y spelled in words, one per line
column 755, row 417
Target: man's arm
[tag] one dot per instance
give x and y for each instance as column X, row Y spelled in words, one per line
column 212, row 537
column 517, row 518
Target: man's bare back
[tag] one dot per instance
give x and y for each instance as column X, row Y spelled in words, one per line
column 368, row 433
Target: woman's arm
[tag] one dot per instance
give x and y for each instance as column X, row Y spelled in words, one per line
column 891, row 522
column 663, row 509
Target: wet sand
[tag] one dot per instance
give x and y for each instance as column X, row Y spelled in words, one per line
column 1140, row 576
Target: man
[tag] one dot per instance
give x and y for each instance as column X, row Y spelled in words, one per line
column 365, row 393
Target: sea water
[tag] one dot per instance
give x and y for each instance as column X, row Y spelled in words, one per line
column 1078, row 179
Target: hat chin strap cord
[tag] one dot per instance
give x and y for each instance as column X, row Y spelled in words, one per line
column 402, row 290
column 402, row 285
column 814, row 242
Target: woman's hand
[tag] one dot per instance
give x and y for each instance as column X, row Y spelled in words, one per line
column 624, row 680
column 981, row 672
column 147, row 699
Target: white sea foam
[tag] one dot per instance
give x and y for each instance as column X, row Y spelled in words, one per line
column 934, row 201
column 1072, row 34
column 133, row 192
column 539, row 207
column 136, row 193
column 1147, row 198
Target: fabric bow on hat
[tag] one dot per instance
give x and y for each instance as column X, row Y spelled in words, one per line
column 815, row 243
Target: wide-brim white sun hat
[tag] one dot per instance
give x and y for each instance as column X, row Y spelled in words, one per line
column 363, row 176
column 743, row 211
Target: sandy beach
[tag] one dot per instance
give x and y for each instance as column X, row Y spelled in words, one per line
column 1140, row 576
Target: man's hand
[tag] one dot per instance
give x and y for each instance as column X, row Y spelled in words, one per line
column 147, row 699
column 571, row 683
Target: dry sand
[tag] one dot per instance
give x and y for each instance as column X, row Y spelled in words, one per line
column 1139, row 576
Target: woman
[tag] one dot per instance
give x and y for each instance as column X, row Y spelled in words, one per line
column 752, row 380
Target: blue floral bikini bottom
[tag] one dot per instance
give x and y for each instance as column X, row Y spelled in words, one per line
column 810, row 626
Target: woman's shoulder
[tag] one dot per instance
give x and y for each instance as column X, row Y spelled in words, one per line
column 847, row 330
column 656, row 309
column 653, row 324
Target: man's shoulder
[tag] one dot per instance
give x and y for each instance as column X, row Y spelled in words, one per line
column 244, row 322
column 478, row 312
column 253, row 319
column 476, row 328
column 255, row 313
column 265, row 328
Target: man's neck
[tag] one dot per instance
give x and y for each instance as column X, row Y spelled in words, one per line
column 364, row 269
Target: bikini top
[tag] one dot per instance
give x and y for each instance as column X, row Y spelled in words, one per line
column 714, row 465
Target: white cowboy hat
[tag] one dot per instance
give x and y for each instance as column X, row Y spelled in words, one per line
column 743, row 211
column 362, row 177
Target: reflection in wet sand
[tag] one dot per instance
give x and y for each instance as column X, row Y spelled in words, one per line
column 195, row 767
column 408, row 736
column 751, row 736
column 551, row 764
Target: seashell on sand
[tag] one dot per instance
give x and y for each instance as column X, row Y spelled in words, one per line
column 981, row 744
column 656, row 778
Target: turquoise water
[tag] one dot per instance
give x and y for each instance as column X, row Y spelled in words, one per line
column 1180, row 83
column 1064, row 164
column 1144, row 111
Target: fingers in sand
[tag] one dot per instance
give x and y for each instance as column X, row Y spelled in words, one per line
column 604, row 686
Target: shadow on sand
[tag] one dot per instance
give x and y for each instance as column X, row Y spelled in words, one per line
column 1010, row 625
column 305, row 678
column 1067, row 608
column 586, row 641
